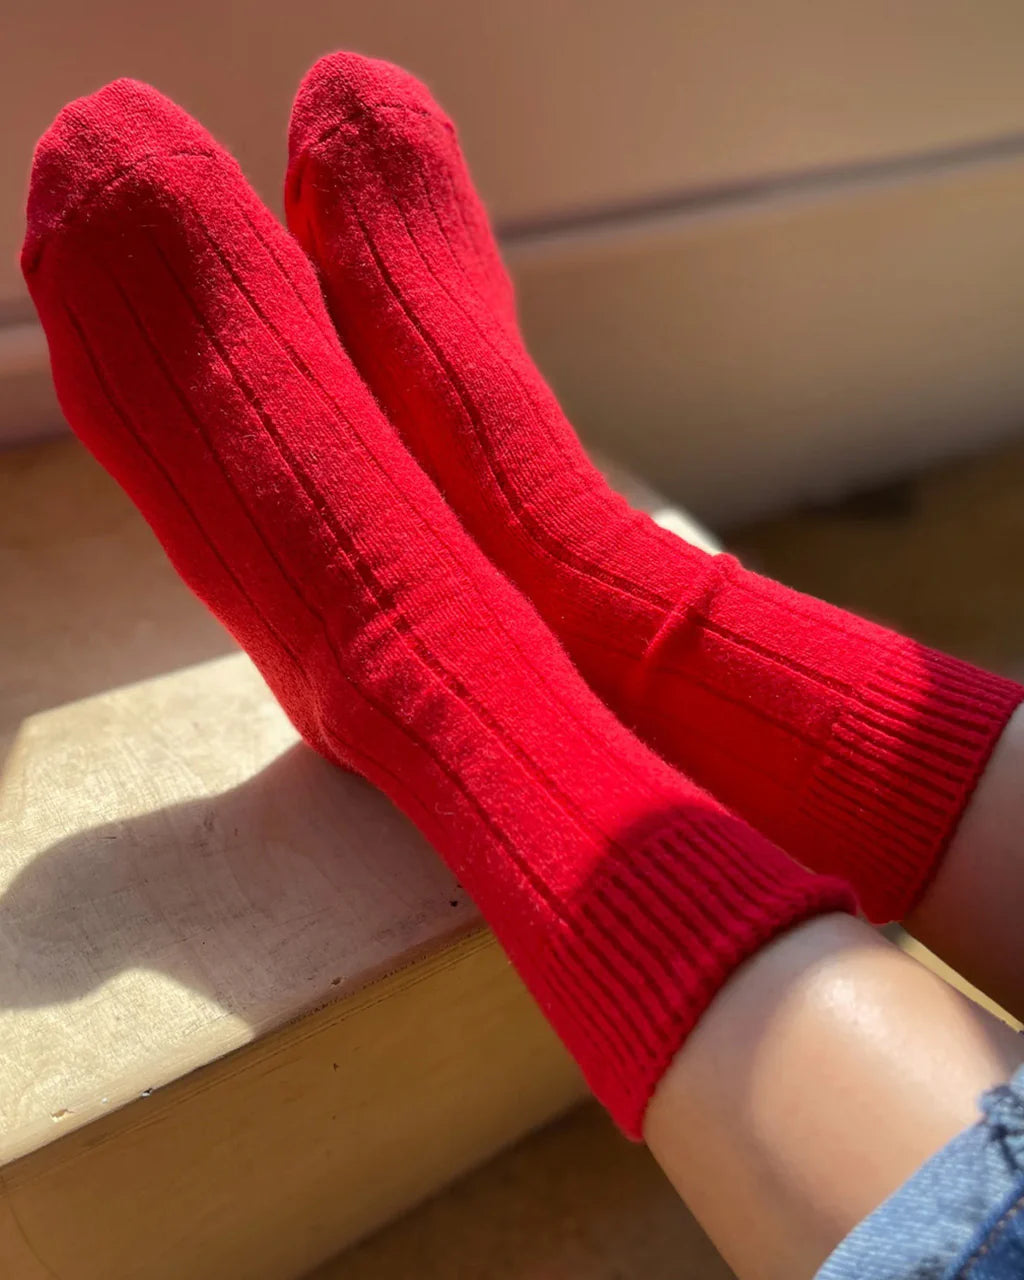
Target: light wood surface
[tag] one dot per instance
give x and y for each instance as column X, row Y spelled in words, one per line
column 179, row 875
column 88, row 600
column 270, row 1160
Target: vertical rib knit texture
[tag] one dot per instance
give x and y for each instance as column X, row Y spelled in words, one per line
column 855, row 748
column 193, row 355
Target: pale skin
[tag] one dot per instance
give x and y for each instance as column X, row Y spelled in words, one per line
column 831, row 1065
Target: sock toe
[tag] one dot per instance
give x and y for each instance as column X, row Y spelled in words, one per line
column 92, row 143
column 365, row 133
column 343, row 86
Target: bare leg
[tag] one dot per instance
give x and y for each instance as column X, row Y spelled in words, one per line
column 825, row 1072
column 971, row 914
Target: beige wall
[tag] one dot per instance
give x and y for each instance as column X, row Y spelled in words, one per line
column 792, row 351
column 661, row 339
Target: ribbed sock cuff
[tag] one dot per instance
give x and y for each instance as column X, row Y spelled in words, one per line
column 651, row 938
column 899, row 768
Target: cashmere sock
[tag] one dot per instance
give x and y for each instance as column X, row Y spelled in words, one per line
column 853, row 747
column 193, row 356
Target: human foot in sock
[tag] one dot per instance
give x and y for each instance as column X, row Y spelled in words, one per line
column 854, row 747
column 193, row 356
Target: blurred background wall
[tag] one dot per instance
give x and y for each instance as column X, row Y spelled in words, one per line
column 766, row 250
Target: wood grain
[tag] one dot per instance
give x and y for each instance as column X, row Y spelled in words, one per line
column 269, row 1161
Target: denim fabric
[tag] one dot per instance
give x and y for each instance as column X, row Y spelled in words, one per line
column 960, row 1217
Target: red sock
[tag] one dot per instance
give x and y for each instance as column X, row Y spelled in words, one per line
column 853, row 747
column 194, row 357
